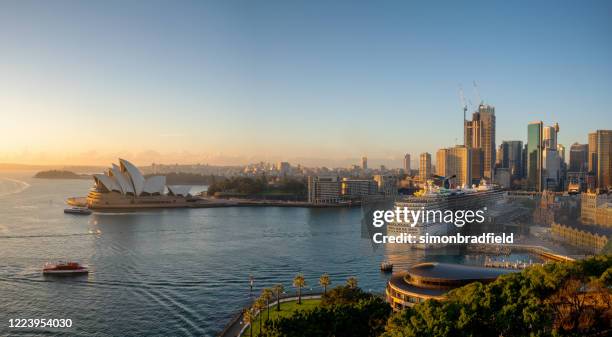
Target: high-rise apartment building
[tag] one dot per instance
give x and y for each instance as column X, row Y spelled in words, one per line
column 534, row 155
column 479, row 133
column 455, row 161
column 407, row 163
column 364, row 163
column 424, row 166
column 578, row 158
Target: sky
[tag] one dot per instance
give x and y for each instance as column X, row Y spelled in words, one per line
column 311, row 82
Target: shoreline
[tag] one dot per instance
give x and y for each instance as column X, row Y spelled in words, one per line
column 214, row 203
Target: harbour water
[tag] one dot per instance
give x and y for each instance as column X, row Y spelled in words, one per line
column 170, row 272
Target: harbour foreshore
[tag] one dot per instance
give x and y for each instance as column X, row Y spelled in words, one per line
column 215, row 202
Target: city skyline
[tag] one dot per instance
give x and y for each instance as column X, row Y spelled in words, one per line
column 84, row 84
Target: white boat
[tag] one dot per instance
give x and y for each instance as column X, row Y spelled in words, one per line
column 77, row 210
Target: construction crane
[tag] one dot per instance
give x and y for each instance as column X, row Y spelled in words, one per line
column 465, row 108
column 462, row 97
column 480, row 102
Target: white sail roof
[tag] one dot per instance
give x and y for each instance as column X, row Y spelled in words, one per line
column 155, row 184
column 107, row 182
column 136, row 178
column 126, row 186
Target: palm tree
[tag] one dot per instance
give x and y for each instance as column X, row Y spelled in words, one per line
column 351, row 282
column 259, row 305
column 298, row 283
column 266, row 294
column 247, row 317
column 278, row 289
column 324, row 281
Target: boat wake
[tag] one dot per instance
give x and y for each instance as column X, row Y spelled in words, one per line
column 12, row 186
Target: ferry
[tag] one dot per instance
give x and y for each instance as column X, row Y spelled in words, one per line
column 436, row 198
column 64, row 268
column 77, row 210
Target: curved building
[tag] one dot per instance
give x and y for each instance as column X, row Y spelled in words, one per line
column 432, row 280
column 124, row 186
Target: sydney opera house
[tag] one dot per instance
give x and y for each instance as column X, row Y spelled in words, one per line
column 124, row 186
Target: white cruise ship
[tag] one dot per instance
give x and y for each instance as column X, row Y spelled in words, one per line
column 435, row 198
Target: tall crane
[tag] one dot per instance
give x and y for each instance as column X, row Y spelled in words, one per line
column 477, row 94
column 465, row 108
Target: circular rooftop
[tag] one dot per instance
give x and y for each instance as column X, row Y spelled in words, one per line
column 456, row 272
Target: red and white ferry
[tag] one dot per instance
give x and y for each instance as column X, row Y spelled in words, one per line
column 64, row 268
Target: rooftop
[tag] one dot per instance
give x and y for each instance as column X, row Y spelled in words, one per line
column 447, row 271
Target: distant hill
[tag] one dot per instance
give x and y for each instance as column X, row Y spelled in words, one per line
column 58, row 174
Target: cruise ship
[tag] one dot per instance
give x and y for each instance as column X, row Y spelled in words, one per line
column 435, row 198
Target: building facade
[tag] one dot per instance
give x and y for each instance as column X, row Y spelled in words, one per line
column 578, row 158
column 425, row 171
column 592, row 239
column 596, row 209
column 455, row 161
column 480, row 133
column 534, row 156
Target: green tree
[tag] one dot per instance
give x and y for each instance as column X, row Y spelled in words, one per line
column 324, row 281
column 299, row 282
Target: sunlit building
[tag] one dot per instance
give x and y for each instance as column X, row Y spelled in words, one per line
column 534, row 155
column 455, row 161
column 432, row 280
column 425, row 171
column 124, row 186
column 479, row 133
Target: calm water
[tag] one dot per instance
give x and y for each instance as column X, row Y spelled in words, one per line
column 168, row 272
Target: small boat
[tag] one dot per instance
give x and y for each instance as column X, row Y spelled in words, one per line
column 64, row 268
column 386, row 267
column 77, row 210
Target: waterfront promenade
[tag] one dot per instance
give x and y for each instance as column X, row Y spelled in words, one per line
column 236, row 325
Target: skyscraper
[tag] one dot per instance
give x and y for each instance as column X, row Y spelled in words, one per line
column 479, row 133
column 511, row 153
column 578, row 158
column 455, row 161
column 364, row 163
column 407, row 163
column 549, row 136
column 534, row 155
column 424, row 166
column 593, row 153
column 551, row 161
column 604, row 159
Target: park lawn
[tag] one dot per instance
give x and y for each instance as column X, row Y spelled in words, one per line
column 287, row 308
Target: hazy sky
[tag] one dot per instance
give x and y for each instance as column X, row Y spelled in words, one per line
column 307, row 81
